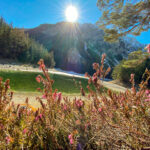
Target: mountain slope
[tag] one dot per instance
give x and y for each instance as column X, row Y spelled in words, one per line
column 77, row 46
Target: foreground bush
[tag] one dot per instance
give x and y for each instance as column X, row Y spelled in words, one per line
column 103, row 121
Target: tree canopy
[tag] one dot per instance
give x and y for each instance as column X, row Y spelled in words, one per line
column 15, row 44
column 136, row 63
column 120, row 17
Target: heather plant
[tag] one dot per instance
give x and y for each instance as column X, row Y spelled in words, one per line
column 97, row 120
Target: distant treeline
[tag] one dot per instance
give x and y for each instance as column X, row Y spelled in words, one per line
column 15, row 44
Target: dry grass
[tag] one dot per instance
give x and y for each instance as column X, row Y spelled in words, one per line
column 20, row 97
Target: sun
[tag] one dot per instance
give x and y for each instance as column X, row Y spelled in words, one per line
column 71, row 14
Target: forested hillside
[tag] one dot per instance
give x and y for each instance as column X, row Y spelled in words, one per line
column 77, row 46
column 15, row 44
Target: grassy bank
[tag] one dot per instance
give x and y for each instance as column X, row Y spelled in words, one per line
column 25, row 81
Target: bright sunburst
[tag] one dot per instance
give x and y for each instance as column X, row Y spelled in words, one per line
column 71, row 14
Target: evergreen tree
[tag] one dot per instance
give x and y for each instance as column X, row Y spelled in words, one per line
column 15, row 44
column 120, row 17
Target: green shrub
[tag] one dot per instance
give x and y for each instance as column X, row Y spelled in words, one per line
column 136, row 63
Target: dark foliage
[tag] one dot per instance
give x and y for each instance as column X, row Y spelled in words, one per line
column 15, row 44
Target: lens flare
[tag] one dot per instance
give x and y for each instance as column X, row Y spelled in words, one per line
column 71, row 14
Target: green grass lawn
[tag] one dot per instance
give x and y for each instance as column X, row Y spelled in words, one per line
column 25, row 81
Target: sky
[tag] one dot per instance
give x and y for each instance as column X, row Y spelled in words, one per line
column 32, row 13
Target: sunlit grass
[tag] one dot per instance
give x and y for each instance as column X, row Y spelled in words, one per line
column 25, row 82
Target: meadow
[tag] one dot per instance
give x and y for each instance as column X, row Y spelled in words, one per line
column 20, row 81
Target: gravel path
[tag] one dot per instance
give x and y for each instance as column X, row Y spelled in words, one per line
column 20, row 97
column 114, row 87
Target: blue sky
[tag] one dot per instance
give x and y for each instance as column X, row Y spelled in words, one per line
column 31, row 13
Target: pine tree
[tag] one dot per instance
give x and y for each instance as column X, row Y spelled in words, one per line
column 120, row 17
column 15, row 44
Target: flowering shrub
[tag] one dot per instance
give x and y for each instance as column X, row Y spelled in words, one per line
column 100, row 121
column 148, row 48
